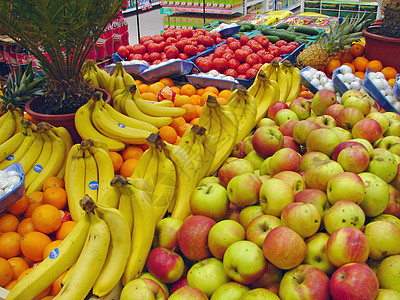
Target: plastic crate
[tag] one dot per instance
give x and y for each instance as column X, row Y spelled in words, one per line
column 229, row 31
column 376, row 93
column 396, row 87
column 133, row 68
column 293, row 56
column 18, row 191
column 173, row 69
column 220, row 84
column 304, row 81
column 337, row 82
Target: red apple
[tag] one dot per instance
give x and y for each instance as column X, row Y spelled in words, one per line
column 143, row 288
column 333, row 110
column 188, row 292
column 275, row 107
column 343, row 145
column 289, row 142
column 267, row 140
column 368, row 129
column 284, row 159
column 287, row 127
column 166, row 233
column 165, row 265
column 233, row 167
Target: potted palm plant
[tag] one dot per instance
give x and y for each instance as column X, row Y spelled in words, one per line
column 60, row 34
column 383, row 37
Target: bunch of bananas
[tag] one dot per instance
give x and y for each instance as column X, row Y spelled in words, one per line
column 129, row 102
column 10, row 122
column 265, row 91
column 244, row 107
column 95, row 254
column 41, row 150
column 119, row 79
column 98, row 78
column 97, row 119
column 287, row 76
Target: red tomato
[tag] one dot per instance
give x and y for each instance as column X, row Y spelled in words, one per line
column 257, row 66
column 215, row 35
column 242, row 69
column 228, row 56
column 146, row 56
column 181, row 44
column 204, row 64
column 280, row 43
column 183, row 56
column 168, row 33
column 296, row 44
column 144, row 39
column 155, row 56
column 207, row 41
column 138, row 49
column 123, row 52
column 201, row 48
column 135, row 56
column 262, row 40
column 163, row 56
column 129, row 48
column 267, row 58
column 219, row 51
column 231, row 72
column 153, row 47
column 171, row 41
column 241, row 76
column 156, row 62
column 240, row 55
column 171, row 52
column 162, row 45
column 253, row 59
column 158, row 38
column 285, row 49
column 233, row 63
column 247, row 49
column 220, row 64
column 187, row 32
column 235, row 45
column 193, row 41
column 244, row 39
column 254, row 45
column 275, row 51
column 251, row 73
column 230, row 40
column 190, row 50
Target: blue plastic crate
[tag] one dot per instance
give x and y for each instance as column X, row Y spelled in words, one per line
column 170, row 69
column 220, row 84
column 396, row 87
column 293, row 56
column 18, row 191
column 229, row 31
column 337, row 82
column 304, row 81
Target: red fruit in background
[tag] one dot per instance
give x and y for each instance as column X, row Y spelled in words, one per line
column 262, row 40
column 171, row 52
column 190, row 50
column 158, row 38
column 129, row 48
column 267, row 58
column 296, row 44
column 181, row 44
column 240, row 55
column 206, row 41
column 178, row 284
column 253, row 59
column 153, row 47
column 275, row 51
column 230, row 40
column 144, row 39
column 215, row 35
column 156, row 62
column 123, row 52
column 193, row 236
column 251, row 73
column 187, row 32
column 219, row 40
column 155, row 56
column 171, row 41
column 247, row 49
column 135, row 57
column 254, row 45
column 193, row 41
column 168, row 33
column 138, row 49
column 65, row 216
column 235, row 45
column 204, row 64
column 231, row 72
column 200, row 31
column 242, row 69
column 241, row 76
column 285, row 49
column 163, row 56
column 280, row 43
column 220, row 64
column 211, row 56
column 261, row 53
column 219, row 51
column 228, row 56
column 233, row 63
column 183, row 56
column 163, row 44
column 178, row 32
column 257, row 66
column 244, row 39
column 146, row 57
column 201, row 48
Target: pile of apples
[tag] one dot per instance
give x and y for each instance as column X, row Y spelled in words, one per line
column 306, row 207
column 170, row 44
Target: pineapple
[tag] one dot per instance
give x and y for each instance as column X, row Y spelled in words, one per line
column 340, row 37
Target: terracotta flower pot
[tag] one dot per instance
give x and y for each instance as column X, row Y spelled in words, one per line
column 65, row 120
column 385, row 49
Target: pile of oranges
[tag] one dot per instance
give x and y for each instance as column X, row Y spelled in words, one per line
column 354, row 58
column 185, row 96
column 30, row 229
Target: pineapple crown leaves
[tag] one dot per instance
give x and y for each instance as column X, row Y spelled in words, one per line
column 59, row 33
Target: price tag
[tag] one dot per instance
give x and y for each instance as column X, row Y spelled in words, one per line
column 166, row 11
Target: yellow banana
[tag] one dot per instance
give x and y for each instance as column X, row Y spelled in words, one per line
column 33, row 145
column 111, row 197
column 75, row 181
column 18, row 116
column 118, row 251
column 112, row 82
column 90, row 261
column 150, row 109
column 11, row 145
column 4, row 117
column 210, row 147
column 142, row 164
column 258, row 93
column 255, row 86
column 91, row 175
column 86, row 130
column 282, row 80
column 286, row 68
column 128, row 79
column 66, row 136
column 8, row 127
column 59, row 260
column 53, row 165
column 296, row 84
column 125, row 206
column 105, row 170
column 119, row 98
column 102, row 76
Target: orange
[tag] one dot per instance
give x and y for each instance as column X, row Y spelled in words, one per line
column 56, row 285
column 132, row 151
column 182, row 99
column 9, row 286
column 361, row 63
column 353, row 68
column 53, row 181
column 28, row 117
column 196, row 99
column 33, row 245
column 167, row 81
column 222, row 101
column 138, row 82
column 178, row 138
column 47, row 298
column 190, row 112
column 143, row 88
column 24, row 273
column 6, row 272
column 205, row 95
column 25, row 226
column 200, row 91
column 50, row 247
column 35, row 197
column 149, row 96
column 188, row 89
column 116, row 159
column 168, row 133
column 225, row 94
column 360, row 74
column 128, row 167
column 391, row 82
column 144, row 146
column 346, row 57
column 375, row 65
column 389, row 72
column 30, row 209
column 177, row 122
column 46, row 218
column 10, row 244
column 306, row 94
column 19, row 265
column 331, row 65
column 182, row 129
column 211, row 89
column 55, row 196
column 8, row 222
column 155, row 87
column 194, row 121
column 176, row 89
column 19, row 206
column 357, row 50
column 65, row 229
column 198, row 110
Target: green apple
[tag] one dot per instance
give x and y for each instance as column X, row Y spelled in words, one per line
column 301, row 107
column 323, row 139
column 248, row 213
column 348, row 117
column 255, row 159
column 350, row 93
column 259, row 293
column 321, row 100
column 316, row 252
column 391, row 115
column 243, row 190
column 383, row 164
column 264, row 168
column 383, row 237
column 259, row 227
column 230, row 290
column 344, row 214
column 343, row 134
column 162, row 284
column 187, row 292
column 318, row 174
column 325, row 121
column 346, row 186
column 208, row 179
column 285, row 115
column 222, row 235
column 275, row 194
column 207, row 275
column 315, row 197
column 285, row 159
column 387, row 217
column 393, row 129
column 142, row 288
column 311, row 157
column 376, row 196
column 302, row 129
column 232, row 167
column 381, row 119
column 272, row 275
column 265, row 122
column 363, row 104
column 294, row 179
column 364, row 142
column 166, row 233
column 388, row 294
column 388, row 273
